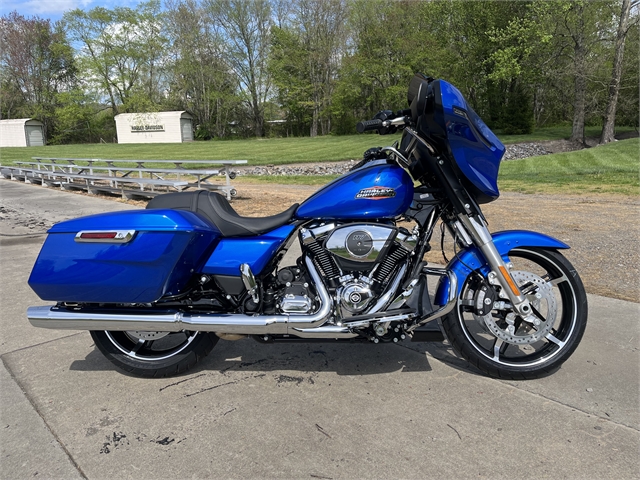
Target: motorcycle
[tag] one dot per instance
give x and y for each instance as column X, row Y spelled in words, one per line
column 159, row 287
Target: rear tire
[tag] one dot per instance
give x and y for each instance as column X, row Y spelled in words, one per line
column 526, row 351
column 154, row 354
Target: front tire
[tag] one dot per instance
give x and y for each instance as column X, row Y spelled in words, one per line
column 154, row 354
column 500, row 343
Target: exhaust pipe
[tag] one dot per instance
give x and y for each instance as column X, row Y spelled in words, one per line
column 52, row 317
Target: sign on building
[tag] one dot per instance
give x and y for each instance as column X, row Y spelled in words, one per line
column 154, row 127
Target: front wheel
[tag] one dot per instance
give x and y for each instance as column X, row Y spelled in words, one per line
column 154, row 354
column 501, row 343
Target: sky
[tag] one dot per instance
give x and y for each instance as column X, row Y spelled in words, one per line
column 53, row 9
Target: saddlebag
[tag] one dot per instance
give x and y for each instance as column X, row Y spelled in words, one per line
column 133, row 256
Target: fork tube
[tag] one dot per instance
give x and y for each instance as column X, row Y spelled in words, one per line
column 481, row 236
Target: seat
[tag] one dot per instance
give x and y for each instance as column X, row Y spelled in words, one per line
column 220, row 213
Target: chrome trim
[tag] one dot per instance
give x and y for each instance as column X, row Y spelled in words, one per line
column 295, row 303
column 404, row 295
column 382, row 302
column 249, row 282
column 52, row 317
column 390, row 318
column 399, row 156
column 417, row 138
column 325, row 331
column 122, row 236
column 483, row 239
column 398, row 121
column 337, row 241
column 319, row 230
column 407, row 241
column 462, row 233
column 452, row 299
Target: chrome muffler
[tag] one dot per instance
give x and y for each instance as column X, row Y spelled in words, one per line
column 56, row 318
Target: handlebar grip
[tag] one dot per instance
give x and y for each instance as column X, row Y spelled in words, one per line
column 368, row 125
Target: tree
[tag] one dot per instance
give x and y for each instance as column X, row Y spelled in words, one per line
column 305, row 58
column 607, row 134
column 288, row 69
column 121, row 53
column 581, row 26
column 36, row 65
column 245, row 26
column 198, row 74
column 389, row 42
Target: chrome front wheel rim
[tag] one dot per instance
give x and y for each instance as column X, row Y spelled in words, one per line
column 526, row 347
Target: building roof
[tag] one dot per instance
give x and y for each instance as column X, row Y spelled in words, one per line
column 176, row 113
column 18, row 121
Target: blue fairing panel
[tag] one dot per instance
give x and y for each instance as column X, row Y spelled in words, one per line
column 374, row 191
column 230, row 253
column 471, row 259
column 477, row 151
column 167, row 247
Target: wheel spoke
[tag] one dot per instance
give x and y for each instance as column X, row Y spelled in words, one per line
column 557, row 280
column 142, row 345
column 555, row 340
column 499, row 347
column 138, row 346
column 538, row 314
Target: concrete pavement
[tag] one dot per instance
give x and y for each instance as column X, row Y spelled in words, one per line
column 319, row 410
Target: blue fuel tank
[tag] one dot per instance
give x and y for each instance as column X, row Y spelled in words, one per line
column 376, row 190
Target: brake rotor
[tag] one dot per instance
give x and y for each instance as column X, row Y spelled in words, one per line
column 138, row 335
column 542, row 299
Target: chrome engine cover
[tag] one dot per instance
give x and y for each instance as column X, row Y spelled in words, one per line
column 354, row 295
column 360, row 242
column 291, row 303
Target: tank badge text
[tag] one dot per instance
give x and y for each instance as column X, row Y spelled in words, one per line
column 376, row 193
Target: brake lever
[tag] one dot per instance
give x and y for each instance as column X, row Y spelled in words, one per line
column 396, row 122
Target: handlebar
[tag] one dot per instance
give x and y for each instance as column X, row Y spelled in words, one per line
column 368, row 125
column 381, row 126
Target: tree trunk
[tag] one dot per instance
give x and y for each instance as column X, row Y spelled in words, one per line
column 580, row 82
column 609, row 120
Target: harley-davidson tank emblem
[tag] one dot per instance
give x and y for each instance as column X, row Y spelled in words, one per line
column 376, row 193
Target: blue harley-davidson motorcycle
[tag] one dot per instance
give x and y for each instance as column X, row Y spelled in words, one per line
column 158, row 287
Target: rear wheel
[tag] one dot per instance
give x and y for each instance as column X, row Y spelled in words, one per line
column 503, row 344
column 154, row 354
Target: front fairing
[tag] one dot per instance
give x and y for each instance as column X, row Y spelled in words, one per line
column 451, row 122
column 476, row 150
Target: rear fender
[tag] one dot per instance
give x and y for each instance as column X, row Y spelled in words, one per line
column 471, row 258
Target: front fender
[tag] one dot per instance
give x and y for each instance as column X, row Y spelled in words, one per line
column 471, row 258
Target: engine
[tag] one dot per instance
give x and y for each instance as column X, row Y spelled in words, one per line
column 357, row 261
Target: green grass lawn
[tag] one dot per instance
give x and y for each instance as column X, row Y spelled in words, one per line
column 257, row 151
column 611, row 168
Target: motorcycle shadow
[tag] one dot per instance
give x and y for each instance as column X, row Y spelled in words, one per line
column 340, row 358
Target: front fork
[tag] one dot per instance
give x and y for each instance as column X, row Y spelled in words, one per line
column 473, row 230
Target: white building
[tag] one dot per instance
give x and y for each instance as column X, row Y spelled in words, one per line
column 21, row 132
column 154, row 127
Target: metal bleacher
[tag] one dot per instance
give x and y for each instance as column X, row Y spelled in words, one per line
column 119, row 176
